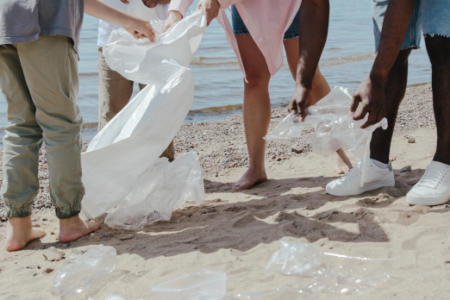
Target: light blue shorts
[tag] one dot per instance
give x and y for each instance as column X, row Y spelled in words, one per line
column 432, row 17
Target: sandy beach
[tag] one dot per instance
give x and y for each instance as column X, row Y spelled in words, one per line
column 237, row 232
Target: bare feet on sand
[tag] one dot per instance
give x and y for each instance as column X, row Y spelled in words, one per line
column 249, row 180
column 19, row 232
column 73, row 228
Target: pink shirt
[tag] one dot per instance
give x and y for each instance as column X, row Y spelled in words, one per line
column 266, row 21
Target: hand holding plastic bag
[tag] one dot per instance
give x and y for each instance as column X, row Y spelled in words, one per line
column 334, row 128
column 121, row 161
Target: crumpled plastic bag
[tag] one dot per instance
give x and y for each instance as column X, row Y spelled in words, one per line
column 85, row 275
column 127, row 149
column 136, row 59
column 330, row 272
column 333, row 126
column 160, row 190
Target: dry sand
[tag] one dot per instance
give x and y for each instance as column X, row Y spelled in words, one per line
column 238, row 232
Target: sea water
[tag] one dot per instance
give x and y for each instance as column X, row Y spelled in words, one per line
column 346, row 61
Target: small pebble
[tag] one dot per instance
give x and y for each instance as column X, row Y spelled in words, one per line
column 52, row 254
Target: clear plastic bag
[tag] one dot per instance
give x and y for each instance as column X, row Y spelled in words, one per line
column 329, row 272
column 205, row 285
column 295, row 259
column 334, row 128
column 85, row 275
column 128, row 147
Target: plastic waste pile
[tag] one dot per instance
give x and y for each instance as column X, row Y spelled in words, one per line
column 86, row 274
column 205, row 285
column 333, row 126
column 329, row 272
column 121, row 167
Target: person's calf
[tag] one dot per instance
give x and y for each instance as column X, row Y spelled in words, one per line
column 438, row 48
column 19, row 232
column 394, row 93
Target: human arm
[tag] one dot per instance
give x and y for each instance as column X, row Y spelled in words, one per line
column 178, row 8
column 370, row 95
column 137, row 27
column 313, row 30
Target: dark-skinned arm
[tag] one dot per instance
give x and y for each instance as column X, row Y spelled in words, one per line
column 313, row 30
column 371, row 93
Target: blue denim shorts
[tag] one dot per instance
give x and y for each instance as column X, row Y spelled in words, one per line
column 240, row 28
column 432, row 17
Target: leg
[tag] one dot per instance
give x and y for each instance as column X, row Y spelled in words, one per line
column 50, row 70
column 438, row 48
column 320, row 87
column 256, row 110
column 169, row 153
column 114, row 91
column 20, row 154
column 395, row 91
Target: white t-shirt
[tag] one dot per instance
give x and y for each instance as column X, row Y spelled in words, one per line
column 135, row 8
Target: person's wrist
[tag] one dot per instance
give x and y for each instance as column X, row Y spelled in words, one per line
column 378, row 77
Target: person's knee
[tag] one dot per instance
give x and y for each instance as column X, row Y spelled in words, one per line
column 256, row 80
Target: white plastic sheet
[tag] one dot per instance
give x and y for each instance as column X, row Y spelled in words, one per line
column 120, row 158
column 333, row 126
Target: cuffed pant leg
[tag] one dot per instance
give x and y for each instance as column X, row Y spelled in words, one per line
column 50, row 70
column 22, row 138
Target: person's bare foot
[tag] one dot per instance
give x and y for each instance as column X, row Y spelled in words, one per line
column 19, row 232
column 73, row 228
column 249, row 180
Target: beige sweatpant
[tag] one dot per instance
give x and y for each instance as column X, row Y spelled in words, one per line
column 40, row 82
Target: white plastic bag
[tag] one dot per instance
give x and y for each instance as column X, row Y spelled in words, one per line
column 158, row 192
column 128, row 147
column 334, row 128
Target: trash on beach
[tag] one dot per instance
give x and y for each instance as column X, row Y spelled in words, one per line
column 205, row 285
column 329, row 272
column 115, row 297
column 295, row 259
column 85, row 275
column 159, row 191
column 271, row 294
column 129, row 146
column 334, row 128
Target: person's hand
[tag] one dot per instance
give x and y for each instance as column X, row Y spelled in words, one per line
column 172, row 18
column 210, row 8
column 370, row 98
column 140, row 29
column 152, row 3
column 300, row 101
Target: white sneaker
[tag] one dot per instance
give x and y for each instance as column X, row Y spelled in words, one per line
column 434, row 186
column 350, row 183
